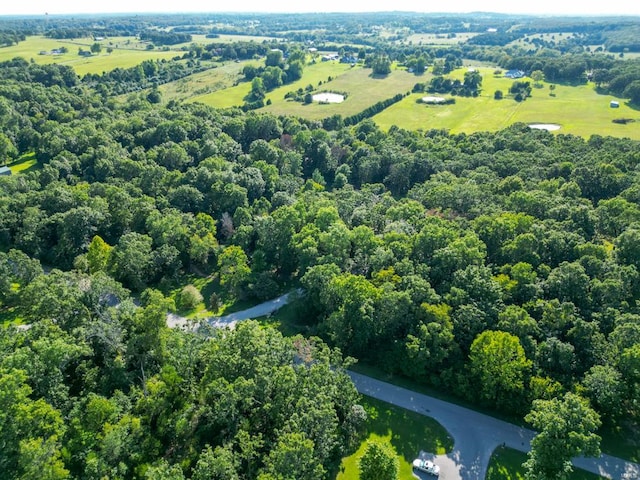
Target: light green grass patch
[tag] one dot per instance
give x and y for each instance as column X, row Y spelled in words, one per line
column 26, row 163
column 438, row 39
column 224, row 76
column 408, row 433
column 579, row 110
column 124, row 55
column 506, row 464
column 362, row 88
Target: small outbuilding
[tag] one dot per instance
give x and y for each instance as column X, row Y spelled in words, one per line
column 5, row 170
column 614, row 104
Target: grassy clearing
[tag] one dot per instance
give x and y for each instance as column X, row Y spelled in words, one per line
column 224, row 76
column 579, row 110
column 127, row 52
column 9, row 316
column 363, row 91
column 408, row 433
column 506, row 464
column 234, row 96
column 437, row 39
column 26, row 163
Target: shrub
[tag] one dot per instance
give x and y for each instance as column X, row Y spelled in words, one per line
column 189, row 298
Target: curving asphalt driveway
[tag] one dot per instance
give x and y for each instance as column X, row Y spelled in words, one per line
column 476, row 435
column 261, row 310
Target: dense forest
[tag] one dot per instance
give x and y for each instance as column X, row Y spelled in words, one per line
column 500, row 267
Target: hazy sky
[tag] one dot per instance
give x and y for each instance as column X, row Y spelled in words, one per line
column 548, row 7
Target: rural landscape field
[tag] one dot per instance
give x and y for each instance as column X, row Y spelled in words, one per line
column 319, row 246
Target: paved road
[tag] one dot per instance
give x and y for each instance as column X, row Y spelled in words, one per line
column 476, row 435
column 230, row 320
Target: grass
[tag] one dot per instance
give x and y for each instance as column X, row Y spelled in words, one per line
column 579, row 110
column 506, row 464
column 437, row 39
column 127, row 52
column 363, row 91
column 287, row 320
column 26, row 163
column 623, row 442
column 9, row 316
column 408, row 433
column 224, row 76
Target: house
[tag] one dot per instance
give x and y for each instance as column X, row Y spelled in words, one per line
column 5, row 171
column 514, row 74
column 614, row 104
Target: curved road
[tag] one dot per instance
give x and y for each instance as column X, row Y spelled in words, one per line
column 261, row 310
column 475, row 435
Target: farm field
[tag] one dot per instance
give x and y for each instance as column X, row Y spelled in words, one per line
column 579, row 110
column 224, row 76
column 124, row 55
column 408, row 433
column 437, row 39
column 313, row 74
column 363, row 91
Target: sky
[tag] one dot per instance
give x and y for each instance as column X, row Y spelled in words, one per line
column 545, row 7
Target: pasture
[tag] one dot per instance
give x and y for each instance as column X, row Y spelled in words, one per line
column 127, row 52
column 438, row 38
column 408, row 432
column 363, row 90
column 579, row 110
column 313, row 74
column 224, row 76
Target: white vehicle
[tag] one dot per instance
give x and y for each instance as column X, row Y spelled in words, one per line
column 426, row 466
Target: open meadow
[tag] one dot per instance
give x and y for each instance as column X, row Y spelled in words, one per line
column 579, row 110
column 224, row 76
column 127, row 52
column 362, row 89
column 313, row 74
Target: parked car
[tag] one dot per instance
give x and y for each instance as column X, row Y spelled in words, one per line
column 426, row 466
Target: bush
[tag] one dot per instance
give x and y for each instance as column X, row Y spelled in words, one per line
column 189, row 298
column 498, row 95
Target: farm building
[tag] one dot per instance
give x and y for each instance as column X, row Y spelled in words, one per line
column 614, row 104
column 5, row 171
column 514, row 74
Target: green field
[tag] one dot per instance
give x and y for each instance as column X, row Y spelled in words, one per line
column 127, row 52
column 224, row 76
column 363, row 91
column 408, row 433
column 506, row 464
column 579, row 110
column 437, row 39
column 234, row 96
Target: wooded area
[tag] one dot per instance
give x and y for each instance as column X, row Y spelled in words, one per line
column 503, row 268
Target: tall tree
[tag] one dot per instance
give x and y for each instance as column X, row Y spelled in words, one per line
column 379, row 462
column 566, row 429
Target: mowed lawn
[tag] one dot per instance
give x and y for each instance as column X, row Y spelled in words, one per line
column 124, row 54
column 362, row 88
column 578, row 110
column 506, row 464
column 408, row 433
